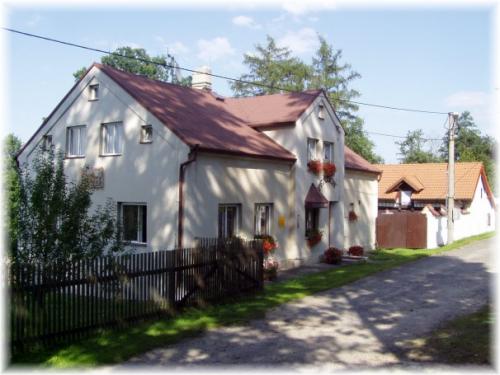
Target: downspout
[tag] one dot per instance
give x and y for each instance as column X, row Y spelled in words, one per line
column 182, row 168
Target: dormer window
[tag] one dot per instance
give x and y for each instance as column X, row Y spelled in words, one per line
column 147, row 134
column 321, row 111
column 94, row 92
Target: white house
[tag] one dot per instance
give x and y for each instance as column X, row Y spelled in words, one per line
column 424, row 187
column 183, row 163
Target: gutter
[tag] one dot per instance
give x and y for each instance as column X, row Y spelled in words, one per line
column 182, row 168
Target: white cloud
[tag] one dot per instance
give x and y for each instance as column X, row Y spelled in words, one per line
column 175, row 48
column 245, row 21
column 214, row 49
column 300, row 8
column 301, row 41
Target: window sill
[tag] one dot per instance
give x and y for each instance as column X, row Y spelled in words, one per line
column 145, row 142
column 93, row 100
column 136, row 244
column 74, row 157
column 106, row 155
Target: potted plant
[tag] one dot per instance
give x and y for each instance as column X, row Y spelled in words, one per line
column 329, row 169
column 315, row 166
column 332, row 255
column 313, row 237
column 356, row 251
column 269, row 244
column 271, row 266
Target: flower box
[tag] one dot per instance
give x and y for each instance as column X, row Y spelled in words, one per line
column 315, row 166
column 314, row 237
column 329, row 169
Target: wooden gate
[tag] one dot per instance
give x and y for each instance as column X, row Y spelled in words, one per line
column 402, row 229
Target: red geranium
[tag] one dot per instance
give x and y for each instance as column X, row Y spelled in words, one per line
column 329, row 169
column 314, row 166
column 267, row 246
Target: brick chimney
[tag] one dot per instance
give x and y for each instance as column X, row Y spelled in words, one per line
column 202, row 81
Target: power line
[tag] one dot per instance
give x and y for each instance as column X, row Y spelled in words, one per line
column 212, row 74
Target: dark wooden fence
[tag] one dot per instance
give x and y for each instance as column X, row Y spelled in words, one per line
column 64, row 302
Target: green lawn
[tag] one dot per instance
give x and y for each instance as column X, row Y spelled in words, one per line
column 110, row 346
column 463, row 341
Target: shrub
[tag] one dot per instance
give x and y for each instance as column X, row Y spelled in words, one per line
column 356, row 251
column 332, row 256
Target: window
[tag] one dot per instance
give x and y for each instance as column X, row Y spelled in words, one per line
column 263, row 219
column 146, row 134
column 328, row 152
column 47, row 142
column 481, row 193
column 489, row 219
column 76, row 140
column 94, row 92
column 312, row 219
column 229, row 217
column 312, row 144
column 321, row 111
column 133, row 218
column 112, row 138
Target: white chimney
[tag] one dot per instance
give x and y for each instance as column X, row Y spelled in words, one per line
column 202, row 80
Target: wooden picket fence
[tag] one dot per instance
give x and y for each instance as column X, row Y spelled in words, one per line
column 65, row 302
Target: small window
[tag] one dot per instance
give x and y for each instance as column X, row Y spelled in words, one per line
column 76, row 139
column 481, row 193
column 112, row 138
column 328, row 152
column 134, row 219
column 263, row 219
column 47, row 142
column 229, row 220
column 312, row 145
column 94, row 92
column 489, row 219
column 312, row 220
column 146, row 134
column 321, row 111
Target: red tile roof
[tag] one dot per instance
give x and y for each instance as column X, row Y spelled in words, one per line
column 198, row 117
column 357, row 162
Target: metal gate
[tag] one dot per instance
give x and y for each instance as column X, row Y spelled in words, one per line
column 402, row 229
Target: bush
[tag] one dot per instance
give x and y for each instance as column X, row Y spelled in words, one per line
column 332, row 256
column 356, row 251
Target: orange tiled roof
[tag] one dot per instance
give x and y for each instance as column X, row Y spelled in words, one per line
column 433, row 179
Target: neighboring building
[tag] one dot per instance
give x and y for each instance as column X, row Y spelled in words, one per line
column 183, row 163
column 424, row 187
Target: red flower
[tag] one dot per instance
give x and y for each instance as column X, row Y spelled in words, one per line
column 315, row 166
column 329, row 169
column 267, row 246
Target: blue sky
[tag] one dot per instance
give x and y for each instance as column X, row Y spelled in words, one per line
column 437, row 59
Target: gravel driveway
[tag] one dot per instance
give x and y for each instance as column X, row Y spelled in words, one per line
column 363, row 324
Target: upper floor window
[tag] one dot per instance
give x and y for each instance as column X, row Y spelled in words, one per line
column 47, row 141
column 112, row 138
column 94, row 92
column 146, row 134
column 133, row 218
column 229, row 220
column 263, row 213
column 312, row 145
column 76, row 139
column 328, row 152
column 321, row 111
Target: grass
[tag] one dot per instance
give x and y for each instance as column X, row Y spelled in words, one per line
column 462, row 341
column 114, row 346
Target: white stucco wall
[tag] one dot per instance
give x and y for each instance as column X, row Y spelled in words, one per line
column 360, row 189
column 437, row 229
column 144, row 173
column 215, row 179
column 295, row 140
column 476, row 221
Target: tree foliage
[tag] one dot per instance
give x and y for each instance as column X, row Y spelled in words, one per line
column 412, row 149
column 55, row 220
column 275, row 67
column 12, row 187
column 136, row 61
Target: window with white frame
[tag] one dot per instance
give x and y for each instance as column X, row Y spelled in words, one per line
column 94, row 92
column 312, row 145
column 229, row 220
column 321, row 111
column 76, row 141
column 134, row 220
column 112, row 138
column 263, row 219
column 47, row 141
column 146, row 134
column 328, row 152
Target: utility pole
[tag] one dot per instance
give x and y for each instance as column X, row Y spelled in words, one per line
column 452, row 122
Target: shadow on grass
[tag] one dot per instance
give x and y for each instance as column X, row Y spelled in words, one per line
column 379, row 318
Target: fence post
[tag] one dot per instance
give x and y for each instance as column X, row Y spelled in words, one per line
column 171, row 278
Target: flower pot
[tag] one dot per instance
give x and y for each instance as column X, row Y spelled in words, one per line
column 270, row 274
